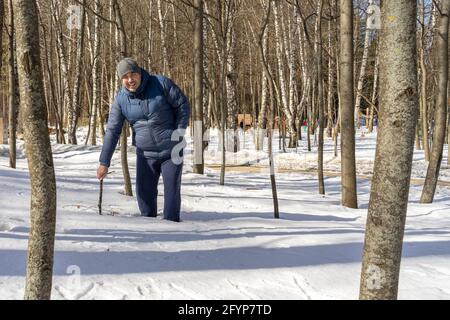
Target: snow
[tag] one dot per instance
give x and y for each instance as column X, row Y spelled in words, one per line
column 228, row 245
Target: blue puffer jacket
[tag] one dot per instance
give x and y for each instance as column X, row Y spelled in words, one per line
column 154, row 111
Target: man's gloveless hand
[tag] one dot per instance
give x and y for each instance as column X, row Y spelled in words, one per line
column 102, row 171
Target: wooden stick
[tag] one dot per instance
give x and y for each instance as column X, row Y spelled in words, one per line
column 100, row 198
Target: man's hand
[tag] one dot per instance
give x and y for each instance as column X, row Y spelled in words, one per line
column 102, row 171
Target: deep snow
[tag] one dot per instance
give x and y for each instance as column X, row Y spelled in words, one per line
column 228, row 245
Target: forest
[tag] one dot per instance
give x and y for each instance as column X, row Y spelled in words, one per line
column 307, row 82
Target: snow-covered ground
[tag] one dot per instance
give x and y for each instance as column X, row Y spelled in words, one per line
column 228, row 245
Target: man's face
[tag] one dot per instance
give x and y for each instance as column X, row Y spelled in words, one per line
column 132, row 81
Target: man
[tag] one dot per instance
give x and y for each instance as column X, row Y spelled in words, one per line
column 158, row 112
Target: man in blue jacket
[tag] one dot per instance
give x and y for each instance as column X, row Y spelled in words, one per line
column 158, row 112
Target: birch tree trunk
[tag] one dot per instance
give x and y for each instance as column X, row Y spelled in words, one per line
column 75, row 109
column 330, row 97
column 2, row 15
column 318, row 54
column 150, row 34
column 96, row 78
column 63, row 61
column 39, row 154
column 13, row 89
column 423, row 83
column 198, row 166
column 395, row 145
column 122, row 45
column 440, row 117
column 374, row 91
column 348, row 166
column 207, row 87
column 306, row 80
column 281, row 58
column 262, row 117
column 162, row 26
column 362, row 72
column 231, row 86
column 291, row 53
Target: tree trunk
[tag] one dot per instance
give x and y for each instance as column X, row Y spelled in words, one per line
column 395, row 145
column 231, row 86
column 362, row 72
column 198, row 166
column 123, row 139
column 281, row 57
column 75, row 109
column 374, row 92
column 276, row 212
column 348, row 167
column 39, row 154
column 330, row 97
column 96, row 78
column 440, row 118
column 318, row 54
column 128, row 191
column 262, row 117
column 100, row 109
column 63, row 62
column 3, row 136
column 149, row 60
column 272, row 110
column 162, row 26
column 291, row 53
column 223, row 122
column 13, row 90
column 2, row 14
column 423, row 85
column 207, row 88
column 53, row 86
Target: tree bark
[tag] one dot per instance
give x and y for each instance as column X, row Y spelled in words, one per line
column 13, row 89
column 39, row 154
column 440, row 118
column 320, row 104
column 330, row 91
column 423, row 84
column 231, row 82
column 123, row 138
column 281, row 57
column 348, row 166
column 262, row 117
column 272, row 110
column 395, row 145
column 362, row 72
column 198, row 166
column 162, row 26
column 63, row 62
column 374, row 91
column 96, row 78
column 3, row 133
column 75, row 109
column 291, row 53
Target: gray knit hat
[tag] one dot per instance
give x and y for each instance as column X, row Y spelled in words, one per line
column 127, row 65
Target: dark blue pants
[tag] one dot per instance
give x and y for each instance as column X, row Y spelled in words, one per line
column 147, row 176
